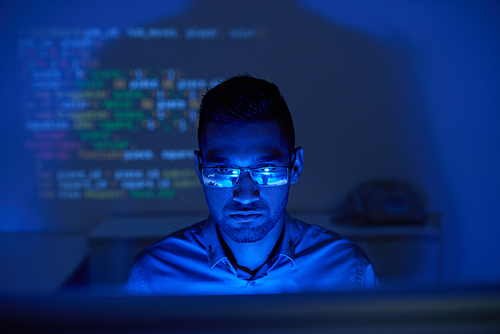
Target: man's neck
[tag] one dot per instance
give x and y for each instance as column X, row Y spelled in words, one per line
column 252, row 255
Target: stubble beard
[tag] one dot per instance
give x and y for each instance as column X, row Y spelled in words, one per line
column 247, row 232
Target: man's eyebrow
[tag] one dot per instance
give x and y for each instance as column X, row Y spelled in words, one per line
column 212, row 156
column 271, row 157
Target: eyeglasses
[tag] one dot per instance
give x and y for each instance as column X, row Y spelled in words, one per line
column 226, row 177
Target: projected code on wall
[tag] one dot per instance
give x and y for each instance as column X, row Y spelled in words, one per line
column 110, row 133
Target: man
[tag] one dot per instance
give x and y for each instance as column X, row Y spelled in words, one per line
column 249, row 244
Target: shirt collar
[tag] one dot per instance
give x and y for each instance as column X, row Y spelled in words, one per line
column 216, row 254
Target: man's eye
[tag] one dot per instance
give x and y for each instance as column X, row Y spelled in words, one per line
column 224, row 170
column 268, row 169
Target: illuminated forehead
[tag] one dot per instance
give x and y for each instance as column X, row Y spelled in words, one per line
column 243, row 145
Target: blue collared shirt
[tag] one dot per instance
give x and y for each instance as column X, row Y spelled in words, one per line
column 309, row 259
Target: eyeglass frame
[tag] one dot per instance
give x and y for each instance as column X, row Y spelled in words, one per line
column 249, row 170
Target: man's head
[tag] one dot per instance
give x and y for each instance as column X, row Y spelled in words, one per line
column 243, row 100
column 247, row 159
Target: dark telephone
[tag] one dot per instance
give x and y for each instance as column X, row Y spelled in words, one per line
column 388, row 202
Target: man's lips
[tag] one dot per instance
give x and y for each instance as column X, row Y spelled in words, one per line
column 245, row 216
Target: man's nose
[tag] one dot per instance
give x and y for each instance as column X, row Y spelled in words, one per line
column 245, row 191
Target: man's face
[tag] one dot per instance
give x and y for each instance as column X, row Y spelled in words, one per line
column 245, row 212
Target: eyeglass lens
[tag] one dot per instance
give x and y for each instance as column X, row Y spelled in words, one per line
column 227, row 177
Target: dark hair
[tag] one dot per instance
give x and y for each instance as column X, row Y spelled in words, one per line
column 245, row 99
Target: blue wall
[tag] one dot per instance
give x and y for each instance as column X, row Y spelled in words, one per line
column 454, row 51
column 446, row 63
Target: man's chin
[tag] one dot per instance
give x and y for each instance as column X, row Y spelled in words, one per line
column 246, row 236
column 246, row 231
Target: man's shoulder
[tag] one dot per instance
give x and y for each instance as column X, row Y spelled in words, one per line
column 302, row 229
column 333, row 255
column 178, row 256
column 313, row 236
column 182, row 239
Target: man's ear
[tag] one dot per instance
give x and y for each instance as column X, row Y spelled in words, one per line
column 298, row 165
column 197, row 155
